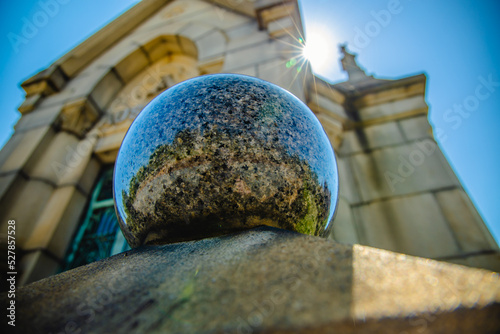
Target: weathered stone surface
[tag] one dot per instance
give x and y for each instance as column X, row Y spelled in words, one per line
column 106, row 90
column 264, row 280
column 371, row 137
column 347, row 184
column 485, row 260
column 344, row 225
column 223, row 153
column 24, row 203
column 42, row 117
column 402, row 170
column 471, row 233
column 24, row 147
column 393, row 108
column 61, row 150
column 257, row 54
column 413, row 225
column 416, row 128
column 211, row 45
column 56, row 224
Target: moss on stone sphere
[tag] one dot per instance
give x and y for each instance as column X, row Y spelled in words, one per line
column 222, row 153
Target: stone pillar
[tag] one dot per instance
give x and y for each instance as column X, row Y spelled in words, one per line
column 397, row 190
column 48, row 175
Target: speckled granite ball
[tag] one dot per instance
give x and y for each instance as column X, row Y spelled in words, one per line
column 221, row 153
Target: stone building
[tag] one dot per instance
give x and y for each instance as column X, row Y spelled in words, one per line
column 397, row 191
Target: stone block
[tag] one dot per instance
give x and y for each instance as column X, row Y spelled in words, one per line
column 246, row 29
column 79, row 87
column 393, row 108
column 270, row 11
column 108, row 157
column 87, row 180
column 170, row 20
column 383, row 135
column 245, row 7
column 119, row 53
column 106, row 89
column 39, row 117
column 247, row 41
column 371, row 137
column 6, row 182
column 262, row 4
column 333, row 128
column 422, row 288
column 488, row 261
column 109, row 143
column 79, row 116
column 164, row 45
column 348, row 188
column 56, row 224
column 132, row 64
column 220, row 18
column 416, row 88
column 344, row 226
column 416, row 128
column 273, row 71
column 194, row 30
column 61, row 151
column 24, row 147
column 211, row 45
column 46, row 82
column 257, row 54
column 211, row 66
column 469, row 229
column 37, row 265
column 159, row 36
column 412, row 225
column 30, row 103
column 280, row 27
column 188, row 47
column 288, row 47
column 318, row 86
column 250, row 70
column 402, row 170
column 267, row 281
column 24, row 203
column 181, row 11
column 328, row 106
column 76, row 166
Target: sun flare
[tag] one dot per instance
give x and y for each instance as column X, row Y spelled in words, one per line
column 318, row 50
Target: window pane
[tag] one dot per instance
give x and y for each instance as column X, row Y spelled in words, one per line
column 98, row 235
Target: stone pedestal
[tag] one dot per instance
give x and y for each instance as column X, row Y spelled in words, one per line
column 264, row 280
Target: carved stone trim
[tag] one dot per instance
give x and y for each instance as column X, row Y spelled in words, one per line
column 79, row 116
column 30, row 103
column 268, row 11
column 47, row 82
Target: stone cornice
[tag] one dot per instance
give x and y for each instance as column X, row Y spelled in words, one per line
column 76, row 59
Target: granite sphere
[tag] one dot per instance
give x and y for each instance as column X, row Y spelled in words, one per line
column 222, row 153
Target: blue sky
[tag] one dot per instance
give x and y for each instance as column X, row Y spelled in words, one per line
column 455, row 42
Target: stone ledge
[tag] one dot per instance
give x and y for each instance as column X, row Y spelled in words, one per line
column 264, row 280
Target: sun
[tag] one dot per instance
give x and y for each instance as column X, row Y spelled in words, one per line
column 318, row 50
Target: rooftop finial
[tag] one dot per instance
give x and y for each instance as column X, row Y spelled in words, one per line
column 350, row 65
